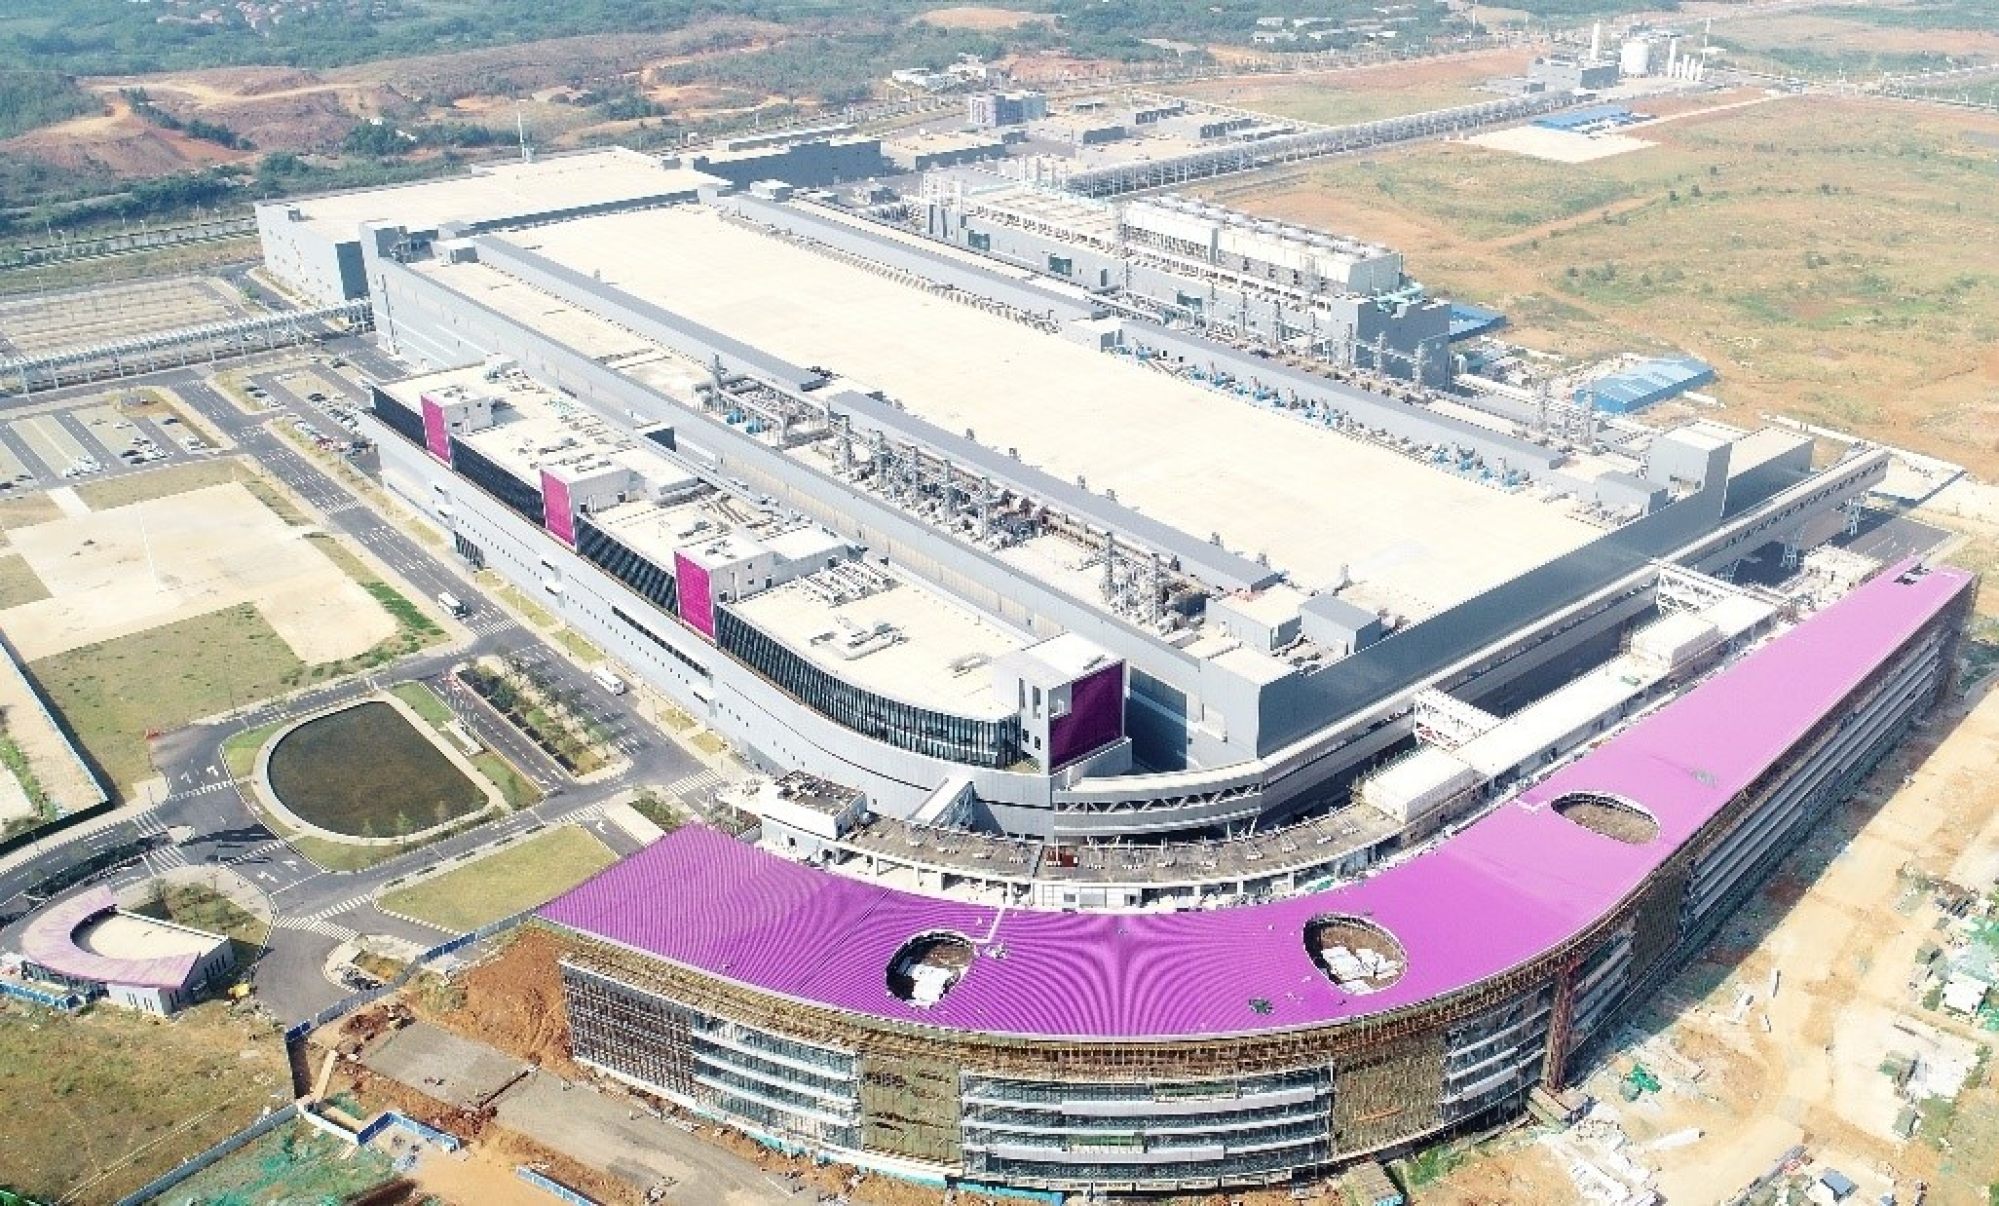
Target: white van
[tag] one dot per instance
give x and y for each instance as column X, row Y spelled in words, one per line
column 609, row 681
column 452, row 604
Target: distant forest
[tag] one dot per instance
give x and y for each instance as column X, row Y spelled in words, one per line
column 116, row 37
column 38, row 98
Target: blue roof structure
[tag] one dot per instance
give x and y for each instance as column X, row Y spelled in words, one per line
column 1468, row 320
column 1645, row 383
column 1595, row 115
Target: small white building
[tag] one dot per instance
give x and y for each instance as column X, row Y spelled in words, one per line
column 87, row 942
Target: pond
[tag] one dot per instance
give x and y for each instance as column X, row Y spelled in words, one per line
column 366, row 771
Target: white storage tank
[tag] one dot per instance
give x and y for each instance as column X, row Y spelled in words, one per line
column 1635, row 58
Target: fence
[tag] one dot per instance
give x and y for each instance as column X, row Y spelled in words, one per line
column 346, row 1005
column 67, row 1002
column 552, row 1186
column 194, row 1164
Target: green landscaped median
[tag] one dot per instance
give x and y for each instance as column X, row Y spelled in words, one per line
column 499, row 885
column 519, row 792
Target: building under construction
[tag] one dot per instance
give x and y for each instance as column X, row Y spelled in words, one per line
column 1202, row 754
column 956, row 1042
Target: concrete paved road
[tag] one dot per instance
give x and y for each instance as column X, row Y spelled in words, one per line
column 316, row 910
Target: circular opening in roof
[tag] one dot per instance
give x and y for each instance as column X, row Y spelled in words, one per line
column 928, row 966
column 1358, row 956
column 1611, row 816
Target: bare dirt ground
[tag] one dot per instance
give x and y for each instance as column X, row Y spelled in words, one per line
column 133, row 568
column 1364, row 93
column 1805, row 246
column 512, row 1001
column 282, row 108
column 1840, row 924
column 121, row 142
column 981, row 17
column 1832, row 36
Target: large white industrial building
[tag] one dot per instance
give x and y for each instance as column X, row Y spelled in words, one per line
column 1219, row 756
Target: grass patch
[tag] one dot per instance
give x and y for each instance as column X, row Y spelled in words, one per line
column 26, row 510
column 204, row 908
column 83, row 1094
column 579, row 648
column 19, row 583
column 500, row 885
column 149, row 484
column 659, row 810
column 519, row 792
column 239, row 750
column 1312, row 98
column 382, row 967
column 115, row 692
column 1798, row 248
column 16, row 762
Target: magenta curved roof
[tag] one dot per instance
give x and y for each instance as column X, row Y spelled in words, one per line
column 1515, row 884
column 50, row 940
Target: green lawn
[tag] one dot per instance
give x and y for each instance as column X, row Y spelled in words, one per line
column 83, row 1095
column 239, row 750
column 149, row 484
column 203, row 908
column 519, row 792
column 500, row 885
column 18, row 582
column 115, row 692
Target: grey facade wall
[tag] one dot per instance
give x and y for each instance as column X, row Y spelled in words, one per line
column 325, row 270
column 780, row 731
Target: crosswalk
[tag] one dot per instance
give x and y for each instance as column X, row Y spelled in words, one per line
column 320, row 921
column 204, row 789
column 324, row 928
column 163, row 857
column 697, row 786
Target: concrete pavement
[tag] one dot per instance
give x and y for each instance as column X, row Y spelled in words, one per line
column 316, row 909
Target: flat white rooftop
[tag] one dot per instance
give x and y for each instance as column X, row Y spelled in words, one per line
column 939, row 658
column 130, row 936
column 503, row 192
column 534, row 426
column 1413, row 538
column 594, row 337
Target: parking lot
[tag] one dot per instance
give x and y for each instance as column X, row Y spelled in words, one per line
column 86, row 440
column 320, row 402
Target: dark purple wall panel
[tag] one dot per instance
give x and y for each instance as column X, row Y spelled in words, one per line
column 697, row 600
column 435, row 436
column 558, row 516
column 1095, row 719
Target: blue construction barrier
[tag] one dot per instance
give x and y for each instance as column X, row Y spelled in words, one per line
column 65, row 1000
column 551, row 1186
